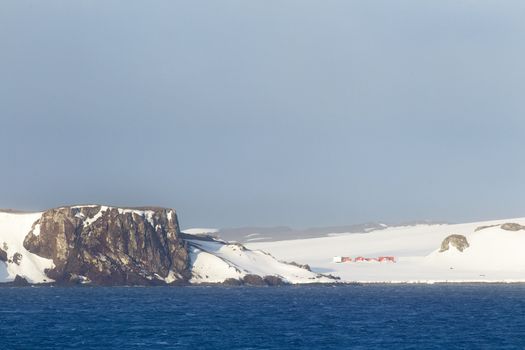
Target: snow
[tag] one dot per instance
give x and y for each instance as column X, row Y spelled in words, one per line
column 147, row 214
column 97, row 216
column 209, row 268
column 171, row 215
column 494, row 255
column 36, row 230
column 212, row 260
column 215, row 261
column 172, row 277
column 13, row 230
column 200, row 231
column 83, row 206
column 491, row 250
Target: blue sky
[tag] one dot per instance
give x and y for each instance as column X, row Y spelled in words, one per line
column 303, row 113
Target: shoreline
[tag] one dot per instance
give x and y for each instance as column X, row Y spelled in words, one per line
column 299, row 285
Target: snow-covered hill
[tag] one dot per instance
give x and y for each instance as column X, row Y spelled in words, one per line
column 13, row 229
column 475, row 252
column 493, row 254
column 112, row 244
column 214, row 261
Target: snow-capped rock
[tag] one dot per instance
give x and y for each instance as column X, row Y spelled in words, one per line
column 127, row 246
column 108, row 245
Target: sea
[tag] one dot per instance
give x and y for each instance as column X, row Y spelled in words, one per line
column 439, row 316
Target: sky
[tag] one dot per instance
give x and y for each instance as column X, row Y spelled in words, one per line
column 242, row 113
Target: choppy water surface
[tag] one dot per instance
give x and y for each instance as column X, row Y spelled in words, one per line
column 320, row 317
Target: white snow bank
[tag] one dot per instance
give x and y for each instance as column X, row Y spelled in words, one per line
column 200, row 231
column 494, row 255
column 13, row 230
column 492, row 249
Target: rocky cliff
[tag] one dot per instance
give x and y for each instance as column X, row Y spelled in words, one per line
column 111, row 246
column 458, row 241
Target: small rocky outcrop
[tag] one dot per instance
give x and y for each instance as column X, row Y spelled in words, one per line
column 17, row 258
column 256, row 280
column 20, row 281
column 511, row 226
column 76, row 279
column 458, row 241
column 253, row 280
column 111, row 246
column 274, row 281
column 301, row 266
column 232, row 282
column 3, row 255
column 479, row 228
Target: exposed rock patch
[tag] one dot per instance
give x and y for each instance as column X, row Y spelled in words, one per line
column 256, row 280
column 76, row 279
column 232, row 282
column 17, row 258
column 458, row 241
column 111, row 246
column 511, row 226
column 302, row 266
column 20, row 281
column 3, row 255
column 253, row 280
column 479, row 228
column 274, row 281
column 239, row 245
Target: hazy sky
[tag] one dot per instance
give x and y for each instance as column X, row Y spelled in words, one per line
column 303, row 113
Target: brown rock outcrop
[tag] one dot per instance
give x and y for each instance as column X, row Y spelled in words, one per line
column 274, row 280
column 511, row 226
column 253, row 280
column 111, row 246
column 20, row 281
column 3, row 255
column 458, row 241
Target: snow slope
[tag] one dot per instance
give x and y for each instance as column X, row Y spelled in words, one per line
column 494, row 254
column 13, row 229
column 200, row 231
column 215, row 261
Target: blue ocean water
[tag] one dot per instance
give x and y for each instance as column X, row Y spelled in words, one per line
column 317, row 317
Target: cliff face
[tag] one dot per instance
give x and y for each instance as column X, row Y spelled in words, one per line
column 111, row 246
